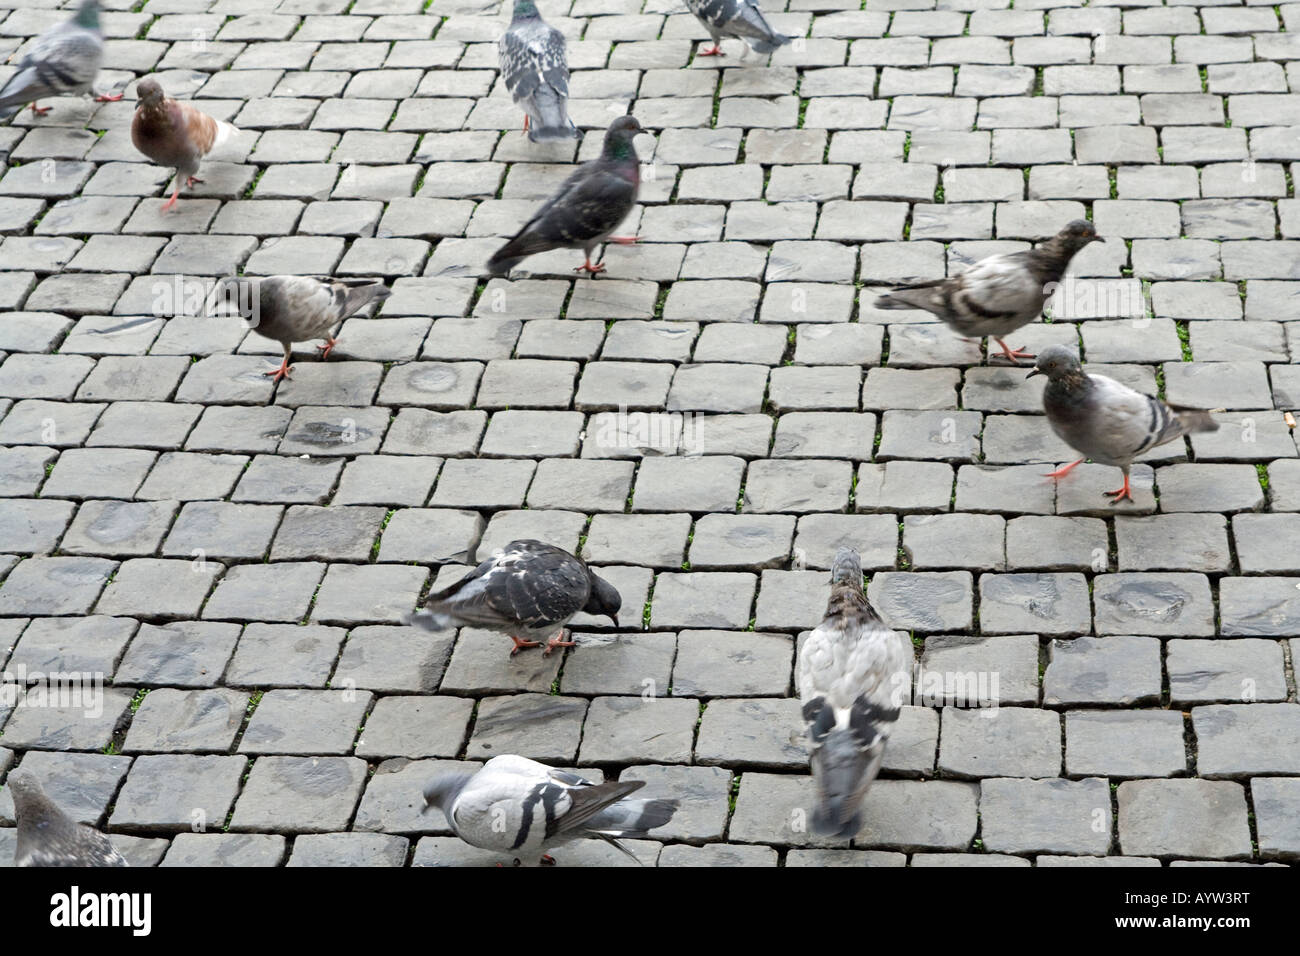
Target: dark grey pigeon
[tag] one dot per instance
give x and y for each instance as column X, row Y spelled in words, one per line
column 292, row 309
column 536, row 73
column 1105, row 420
column 586, row 209
column 62, row 61
column 515, row 804
column 1000, row 294
column 854, row 675
column 741, row 19
column 528, row 590
column 49, row 837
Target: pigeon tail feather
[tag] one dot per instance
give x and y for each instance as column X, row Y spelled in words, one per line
column 842, row 768
column 632, row 818
column 770, row 43
column 431, row 620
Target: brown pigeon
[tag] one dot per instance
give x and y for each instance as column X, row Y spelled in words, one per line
column 585, row 210
column 172, row 133
column 292, row 309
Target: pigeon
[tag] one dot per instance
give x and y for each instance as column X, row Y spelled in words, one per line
column 49, row 837
column 63, row 60
column 854, row 675
column 736, row 18
column 536, row 73
column 528, row 590
column 1105, row 420
column 514, row 803
column 998, row 295
column 172, row 133
column 292, row 309
column 583, row 213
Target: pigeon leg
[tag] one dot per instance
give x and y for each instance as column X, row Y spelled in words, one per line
column 1122, row 494
column 715, row 50
column 191, row 180
column 1013, row 355
column 1064, row 469
column 589, row 268
column 555, row 642
column 520, row 645
column 108, row 97
column 547, row 860
column 172, row 202
column 328, row 347
column 625, row 240
column 526, row 119
column 40, row 110
column 284, row 369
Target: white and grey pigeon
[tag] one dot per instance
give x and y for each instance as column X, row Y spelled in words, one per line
column 536, row 72
column 62, row 61
column 293, row 309
column 49, row 837
column 528, row 590
column 1105, row 420
column 999, row 294
column 854, row 675
column 514, row 804
column 741, row 19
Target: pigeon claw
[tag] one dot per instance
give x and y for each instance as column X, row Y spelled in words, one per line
column 325, row 349
column 108, row 97
column 1124, row 493
column 625, row 240
column 1014, row 355
column 41, row 110
column 520, row 645
column 715, row 50
column 555, row 642
column 1064, row 470
column 279, row 373
column 191, row 180
column 589, row 268
column 547, row 860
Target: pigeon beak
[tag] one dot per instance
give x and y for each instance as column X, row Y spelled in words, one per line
column 1097, row 239
column 1032, row 373
column 614, row 618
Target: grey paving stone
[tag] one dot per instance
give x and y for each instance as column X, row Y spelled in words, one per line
column 186, row 721
column 225, row 849
column 179, row 654
column 1168, row 604
column 1116, row 669
column 1046, row 816
column 540, row 726
column 1001, row 741
column 177, row 792
column 1232, row 741
column 305, row 722
column 1198, row 818
column 1124, row 743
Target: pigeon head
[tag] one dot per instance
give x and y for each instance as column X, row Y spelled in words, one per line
column 150, row 93
column 525, row 9
column 604, row 599
column 441, row 792
column 88, row 15
column 619, row 136
column 847, row 568
column 31, row 806
column 1056, row 362
column 1077, row 234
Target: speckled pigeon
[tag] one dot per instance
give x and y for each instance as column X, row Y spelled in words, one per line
column 62, row 61
column 529, row 590
column 536, row 72
column 585, row 210
column 517, row 804
column 854, row 675
column 1105, row 420
column 49, row 837
column 293, row 309
column 741, row 19
column 172, row 133
column 999, row 294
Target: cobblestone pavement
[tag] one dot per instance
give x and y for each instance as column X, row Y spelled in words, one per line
column 237, row 557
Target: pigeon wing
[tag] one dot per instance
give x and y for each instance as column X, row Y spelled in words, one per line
column 588, row 206
column 542, row 589
column 63, row 60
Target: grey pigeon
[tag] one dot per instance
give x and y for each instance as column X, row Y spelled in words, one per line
column 999, row 294
column 529, row 590
column 741, row 19
column 1105, row 420
column 49, row 837
column 585, row 210
column 536, row 73
column 516, row 804
column 854, row 675
column 172, row 133
column 62, row 61
column 292, row 309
